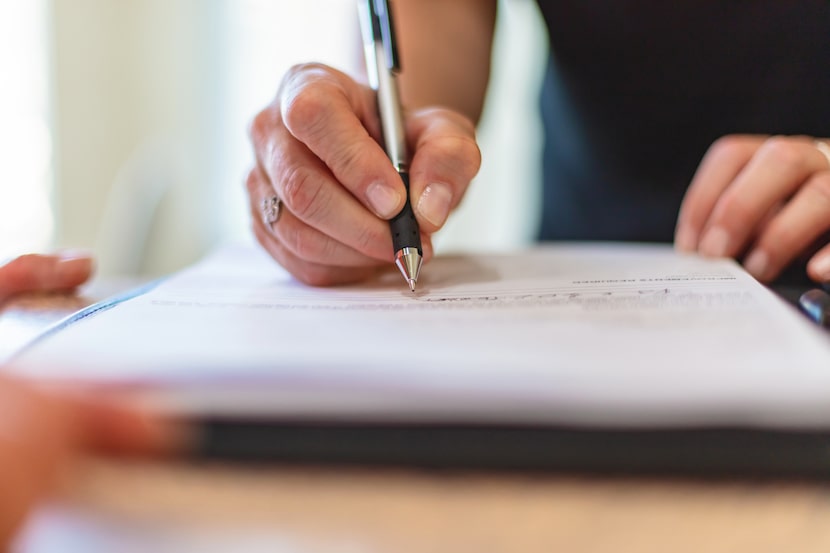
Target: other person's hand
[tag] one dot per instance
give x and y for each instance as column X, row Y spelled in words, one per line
column 43, row 273
column 317, row 150
column 42, row 433
column 765, row 199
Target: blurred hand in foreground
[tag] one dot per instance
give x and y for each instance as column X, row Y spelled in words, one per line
column 42, row 432
column 44, row 273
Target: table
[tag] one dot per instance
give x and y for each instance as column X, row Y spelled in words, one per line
column 115, row 506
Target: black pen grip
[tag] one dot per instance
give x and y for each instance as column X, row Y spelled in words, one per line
column 404, row 226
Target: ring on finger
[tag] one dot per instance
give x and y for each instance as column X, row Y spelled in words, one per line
column 823, row 147
column 271, row 208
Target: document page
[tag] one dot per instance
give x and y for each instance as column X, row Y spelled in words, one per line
column 610, row 334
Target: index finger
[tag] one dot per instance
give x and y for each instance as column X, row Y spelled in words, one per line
column 36, row 273
column 779, row 167
column 720, row 165
column 336, row 118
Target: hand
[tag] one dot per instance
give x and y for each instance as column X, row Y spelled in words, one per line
column 317, row 148
column 765, row 197
column 41, row 433
column 43, row 273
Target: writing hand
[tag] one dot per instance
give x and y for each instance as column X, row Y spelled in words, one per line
column 767, row 197
column 317, row 149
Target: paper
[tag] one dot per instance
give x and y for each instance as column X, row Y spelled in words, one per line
column 583, row 334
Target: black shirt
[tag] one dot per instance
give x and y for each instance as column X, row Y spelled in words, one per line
column 636, row 91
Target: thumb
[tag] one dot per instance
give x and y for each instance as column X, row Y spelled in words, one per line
column 446, row 159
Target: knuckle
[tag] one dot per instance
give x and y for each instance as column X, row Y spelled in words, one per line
column 350, row 160
column 784, row 151
column 726, row 146
column 305, row 106
column 300, row 73
column 302, row 192
column 734, row 208
column 296, row 78
column 261, row 125
column 462, row 153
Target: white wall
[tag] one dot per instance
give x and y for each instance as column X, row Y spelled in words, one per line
column 138, row 90
column 152, row 102
column 25, row 140
column 501, row 210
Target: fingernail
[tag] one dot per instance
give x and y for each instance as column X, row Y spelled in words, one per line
column 821, row 266
column 75, row 267
column 686, row 239
column 715, row 242
column 756, row 263
column 72, row 254
column 435, row 203
column 383, row 199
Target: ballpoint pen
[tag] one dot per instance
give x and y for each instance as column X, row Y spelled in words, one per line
column 382, row 66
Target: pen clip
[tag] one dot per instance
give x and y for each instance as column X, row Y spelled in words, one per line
column 383, row 14
column 370, row 29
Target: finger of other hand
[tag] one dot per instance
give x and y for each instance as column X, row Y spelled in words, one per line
column 777, row 170
column 446, row 159
column 33, row 273
column 42, row 432
column 792, row 230
column 35, row 443
column 819, row 265
column 720, row 165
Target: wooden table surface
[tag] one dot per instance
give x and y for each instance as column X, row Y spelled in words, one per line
column 127, row 507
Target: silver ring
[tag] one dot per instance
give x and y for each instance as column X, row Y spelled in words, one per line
column 270, row 207
column 824, row 148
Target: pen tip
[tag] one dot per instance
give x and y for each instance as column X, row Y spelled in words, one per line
column 409, row 262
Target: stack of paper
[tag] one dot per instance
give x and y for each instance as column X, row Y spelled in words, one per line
column 597, row 335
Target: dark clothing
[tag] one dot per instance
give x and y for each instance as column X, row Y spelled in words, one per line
column 636, row 91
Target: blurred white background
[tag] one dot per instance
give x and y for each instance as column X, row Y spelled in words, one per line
column 124, row 122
